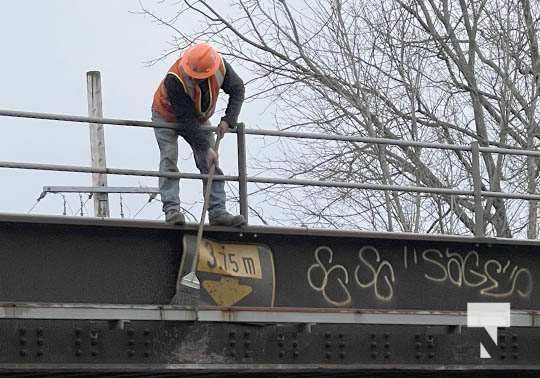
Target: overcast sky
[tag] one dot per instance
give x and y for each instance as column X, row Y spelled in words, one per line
column 47, row 48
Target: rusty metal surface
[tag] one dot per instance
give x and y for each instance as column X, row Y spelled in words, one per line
column 155, row 347
column 336, row 374
column 69, row 260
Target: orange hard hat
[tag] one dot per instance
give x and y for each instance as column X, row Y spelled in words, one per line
column 200, row 61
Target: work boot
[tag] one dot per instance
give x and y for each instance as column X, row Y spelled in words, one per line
column 174, row 217
column 227, row 219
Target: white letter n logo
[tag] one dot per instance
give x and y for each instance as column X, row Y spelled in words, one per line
column 489, row 316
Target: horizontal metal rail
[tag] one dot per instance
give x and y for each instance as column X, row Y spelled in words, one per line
column 474, row 148
column 111, row 171
column 84, row 119
column 100, row 189
column 247, row 314
column 275, row 133
column 265, row 180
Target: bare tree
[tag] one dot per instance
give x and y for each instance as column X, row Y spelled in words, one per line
column 443, row 71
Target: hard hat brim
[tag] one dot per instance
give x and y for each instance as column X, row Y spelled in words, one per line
column 200, row 75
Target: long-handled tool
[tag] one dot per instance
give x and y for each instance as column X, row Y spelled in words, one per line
column 188, row 287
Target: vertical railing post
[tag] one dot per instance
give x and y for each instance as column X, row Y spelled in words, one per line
column 477, row 190
column 242, row 170
column 97, row 142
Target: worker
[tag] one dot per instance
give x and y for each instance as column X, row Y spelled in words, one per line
column 187, row 96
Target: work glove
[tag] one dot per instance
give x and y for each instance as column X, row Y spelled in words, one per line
column 222, row 128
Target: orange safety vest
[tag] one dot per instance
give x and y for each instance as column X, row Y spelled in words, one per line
column 162, row 105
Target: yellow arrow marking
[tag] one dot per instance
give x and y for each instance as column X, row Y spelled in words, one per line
column 227, row 291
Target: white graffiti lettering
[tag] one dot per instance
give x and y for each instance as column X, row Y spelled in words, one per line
column 468, row 272
column 491, row 278
column 325, row 277
column 381, row 273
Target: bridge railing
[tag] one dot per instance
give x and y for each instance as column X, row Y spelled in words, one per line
column 243, row 178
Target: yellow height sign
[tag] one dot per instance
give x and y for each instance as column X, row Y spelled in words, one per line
column 236, row 260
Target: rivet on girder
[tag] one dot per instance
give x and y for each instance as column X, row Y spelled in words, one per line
column 295, row 354
column 373, row 336
column 130, row 332
column 22, row 340
column 514, row 346
column 23, row 352
column 387, row 355
column 40, row 341
column 503, row 356
column 431, row 355
column 373, row 354
column 131, row 353
column 22, row 331
column 327, row 345
column 342, row 345
column 78, row 342
column 515, row 355
column 341, row 336
column 417, row 346
column 232, row 335
column 387, row 345
column 280, row 337
column 247, row 354
column 341, row 355
column 146, row 343
column 281, row 354
column 94, row 353
column 295, row 344
column 77, row 331
column 328, row 355
column 93, row 342
column 386, row 335
column 39, row 331
column 418, row 355
column 78, row 352
column 131, row 342
column 327, row 335
column 280, row 344
column 246, row 335
column 373, row 345
column 417, row 337
column 146, row 354
column 247, row 343
column 39, row 353
column 146, row 332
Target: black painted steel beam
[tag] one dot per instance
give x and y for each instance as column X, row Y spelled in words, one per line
column 70, row 260
column 271, row 276
column 191, row 347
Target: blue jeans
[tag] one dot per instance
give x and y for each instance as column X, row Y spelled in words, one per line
column 168, row 162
